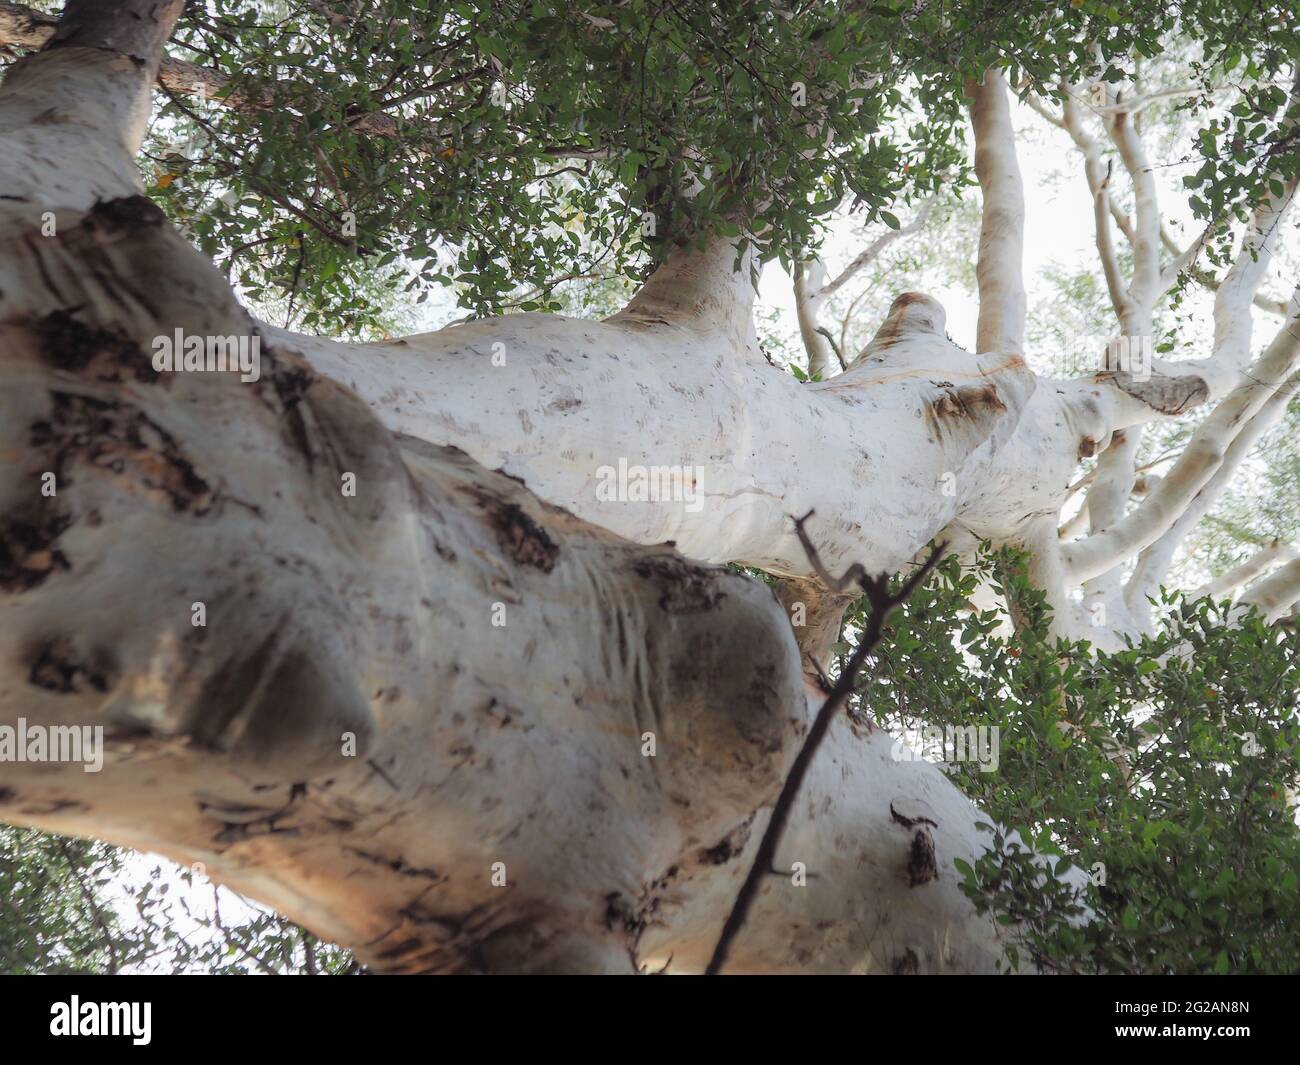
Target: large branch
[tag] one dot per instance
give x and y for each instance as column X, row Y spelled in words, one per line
column 1243, row 574
column 1199, row 462
column 417, row 712
column 1098, row 178
column 1276, row 594
column 1233, row 322
column 1154, row 562
column 1144, row 288
column 1233, row 328
column 1207, row 280
column 933, row 436
column 918, row 420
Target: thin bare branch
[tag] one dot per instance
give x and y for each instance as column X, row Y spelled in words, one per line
column 883, row 603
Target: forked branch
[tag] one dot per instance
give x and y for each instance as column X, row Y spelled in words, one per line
column 882, row 602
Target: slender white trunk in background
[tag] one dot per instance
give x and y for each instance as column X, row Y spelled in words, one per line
column 809, row 295
column 1000, row 270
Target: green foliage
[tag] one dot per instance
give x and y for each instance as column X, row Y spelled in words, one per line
column 531, row 136
column 72, row 906
column 800, row 374
column 48, row 924
column 503, row 146
column 1166, row 770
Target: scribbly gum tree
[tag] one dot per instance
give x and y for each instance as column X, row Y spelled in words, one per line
column 449, row 705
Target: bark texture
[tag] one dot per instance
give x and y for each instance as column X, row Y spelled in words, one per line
column 471, row 693
column 425, row 713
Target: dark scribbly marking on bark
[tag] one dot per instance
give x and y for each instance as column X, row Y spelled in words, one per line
column 57, row 667
column 684, row 588
column 526, row 541
column 27, row 552
column 125, row 214
column 398, row 865
column 121, row 439
column 71, row 345
column 291, row 384
column 922, row 866
column 1168, row 395
column 910, row 821
column 972, row 402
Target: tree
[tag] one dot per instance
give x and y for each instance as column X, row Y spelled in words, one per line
column 456, row 716
column 1189, row 842
column 72, row 906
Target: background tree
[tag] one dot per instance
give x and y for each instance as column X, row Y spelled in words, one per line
column 73, row 906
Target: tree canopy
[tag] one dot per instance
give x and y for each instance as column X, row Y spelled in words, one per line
column 504, row 146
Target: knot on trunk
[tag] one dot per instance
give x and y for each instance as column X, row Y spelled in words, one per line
column 911, row 314
column 1168, row 395
column 916, row 816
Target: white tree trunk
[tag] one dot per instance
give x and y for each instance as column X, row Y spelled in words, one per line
column 502, row 664
column 395, row 690
column 916, row 423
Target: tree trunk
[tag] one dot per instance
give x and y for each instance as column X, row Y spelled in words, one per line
column 394, row 694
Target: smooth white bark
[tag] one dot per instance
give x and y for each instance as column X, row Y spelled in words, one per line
column 1276, row 594
column 372, row 614
column 556, row 415
column 1245, row 573
column 350, row 736
column 1198, row 463
column 999, row 271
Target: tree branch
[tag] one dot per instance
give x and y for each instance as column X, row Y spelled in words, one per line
column 883, row 603
column 808, row 280
column 874, row 250
column 1276, row 594
column 1203, row 455
column 1248, row 571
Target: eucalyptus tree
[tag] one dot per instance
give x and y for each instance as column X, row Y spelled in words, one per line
column 426, row 642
